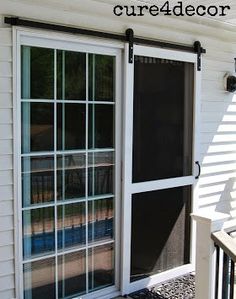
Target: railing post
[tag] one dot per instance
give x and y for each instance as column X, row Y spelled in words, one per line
column 206, row 223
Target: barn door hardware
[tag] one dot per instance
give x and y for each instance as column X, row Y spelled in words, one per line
column 127, row 37
column 199, row 50
column 130, row 39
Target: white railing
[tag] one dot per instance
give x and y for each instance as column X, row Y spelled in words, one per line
column 212, row 246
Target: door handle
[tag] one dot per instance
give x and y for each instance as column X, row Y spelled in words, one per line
column 199, row 170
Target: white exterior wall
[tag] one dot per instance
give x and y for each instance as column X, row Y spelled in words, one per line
column 6, row 167
column 218, row 108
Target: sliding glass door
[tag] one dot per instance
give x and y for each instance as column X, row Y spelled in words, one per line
column 69, row 171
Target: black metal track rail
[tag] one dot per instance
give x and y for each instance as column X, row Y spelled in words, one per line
column 127, row 37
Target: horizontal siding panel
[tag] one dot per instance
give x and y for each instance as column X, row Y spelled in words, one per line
column 6, row 132
column 218, row 158
column 218, row 128
column 6, row 36
column 5, row 116
column 6, row 178
column 212, row 117
column 217, row 55
column 5, row 84
column 229, row 118
column 213, row 85
column 6, row 162
column 6, row 268
column 6, row 146
column 6, row 223
column 6, row 100
column 210, row 75
column 231, row 107
column 221, row 148
column 6, row 192
column 229, row 224
column 5, row 69
column 221, row 184
column 216, row 178
column 6, row 283
column 213, row 43
column 211, row 189
column 6, row 208
column 211, row 64
column 218, row 168
column 5, row 53
column 207, row 138
column 209, row 200
column 209, row 127
column 224, row 48
column 6, row 252
column 7, row 294
column 214, row 107
column 7, row 238
column 221, row 96
column 217, row 138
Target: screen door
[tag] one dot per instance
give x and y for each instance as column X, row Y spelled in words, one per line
column 159, row 161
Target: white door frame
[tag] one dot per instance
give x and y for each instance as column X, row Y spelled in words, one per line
column 69, row 42
column 41, row 38
column 129, row 188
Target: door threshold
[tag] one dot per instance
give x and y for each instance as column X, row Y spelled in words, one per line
column 180, row 287
column 160, row 278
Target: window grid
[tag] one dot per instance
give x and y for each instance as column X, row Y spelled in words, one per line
column 86, row 174
column 59, row 203
column 68, row 251
column 55, row 170
column 88, row 198
column 67, row 101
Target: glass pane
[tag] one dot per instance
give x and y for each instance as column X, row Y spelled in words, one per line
column 38, row 231
column 101, row 77
column 101, row 126
column 160, row 231
column 70, row 176
column 100, row 173
column 71, row 120
column 37, row 125
column 37, row 73
column 100, row 219
column 163, row 119
column 71, row 75
column 101, row 267
column 71, row 225
column 72, row 274
column 39, row 279
column 37, row 180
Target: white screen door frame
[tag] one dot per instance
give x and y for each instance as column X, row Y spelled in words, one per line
column 130, row 188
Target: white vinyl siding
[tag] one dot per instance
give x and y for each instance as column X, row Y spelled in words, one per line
column 218, row 108
column 6, row 167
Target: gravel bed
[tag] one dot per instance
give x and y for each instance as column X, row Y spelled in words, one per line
column 179, row 288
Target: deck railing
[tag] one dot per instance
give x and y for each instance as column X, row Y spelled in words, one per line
column 225, row 264
column 209, row 258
